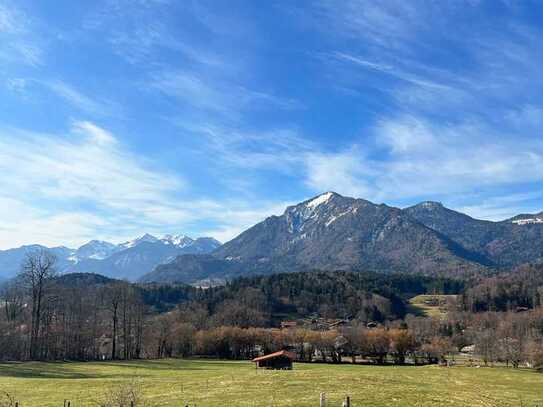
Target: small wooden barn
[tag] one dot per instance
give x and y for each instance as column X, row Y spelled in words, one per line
column 281, row 360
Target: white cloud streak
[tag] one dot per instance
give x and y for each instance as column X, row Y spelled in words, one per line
column 32, row 88
column 212, row 94
column 504, row 207
column 17, row 41
column 451, row 128
column 90, row 166
column 78, row 99
column 68, row 189
column 420, row 159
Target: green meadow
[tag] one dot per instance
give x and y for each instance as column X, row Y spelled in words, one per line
column 213, row 383
column 420, row 307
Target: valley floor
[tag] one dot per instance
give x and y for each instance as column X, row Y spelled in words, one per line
column 210, row 383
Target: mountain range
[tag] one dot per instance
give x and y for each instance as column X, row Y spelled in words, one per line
column 333, row 232
column 129, row 260
column 327, row 232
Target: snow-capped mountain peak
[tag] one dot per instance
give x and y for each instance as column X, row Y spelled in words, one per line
column 95, row 249
column 430, row 205
column 177, row 240
column 321, row 199
column 128, row 260
column 315, row 208
column 145, row 238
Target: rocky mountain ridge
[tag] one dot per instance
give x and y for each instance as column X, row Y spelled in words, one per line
column 333, row 232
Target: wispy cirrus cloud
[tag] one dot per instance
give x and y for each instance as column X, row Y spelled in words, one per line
column 450, row 129
column 279, row 149
column 85, row 184
column 437, row 100
column 345, row 172
column 17, row 40
column 33, row 88
column 86, row 163
column 392, row 71
column 7, row 20
column 80, row 100
column 502, row 207
column 218, row 95
column 85, row 168
column 28, row 224
column 139, row 31
column 412, row 159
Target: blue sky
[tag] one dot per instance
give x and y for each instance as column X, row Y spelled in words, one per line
column 204, row 117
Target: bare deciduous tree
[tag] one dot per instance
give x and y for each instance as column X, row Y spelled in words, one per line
column 114, row 295
column 38, row 269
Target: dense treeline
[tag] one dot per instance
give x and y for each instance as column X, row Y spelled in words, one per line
column 338, row 293
column 88, row 317
column 254, row 302
column 521, row 288
column 510, row 338
column 331, row 294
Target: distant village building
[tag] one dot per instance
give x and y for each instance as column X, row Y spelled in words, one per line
column 529, row 221
column 336, row 324
column 288, row 324
column 281, row 360
column 470, row 349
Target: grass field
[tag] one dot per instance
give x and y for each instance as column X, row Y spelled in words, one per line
column 221, row 383
column 419, row 306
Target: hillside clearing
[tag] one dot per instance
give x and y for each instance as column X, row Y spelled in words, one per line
column 210, row 383
column 430, row 305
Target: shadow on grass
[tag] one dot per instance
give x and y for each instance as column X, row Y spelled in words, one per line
column 43, row 371
column 107, row 369
column 416, row 310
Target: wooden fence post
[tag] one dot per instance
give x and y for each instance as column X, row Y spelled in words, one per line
column 322, row 400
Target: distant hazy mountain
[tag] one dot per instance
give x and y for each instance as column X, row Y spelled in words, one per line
column 132, row 243
column 142, row 255
column 328, row 232
column 129, row 260
column 95, row 249
column 501, row 244
column 198, row 269
column 11, row 259
column 332, row 232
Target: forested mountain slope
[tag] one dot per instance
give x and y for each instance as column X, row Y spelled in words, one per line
column 331, row 232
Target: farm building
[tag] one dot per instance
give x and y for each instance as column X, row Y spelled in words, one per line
column 279, row 360
column 288, row 324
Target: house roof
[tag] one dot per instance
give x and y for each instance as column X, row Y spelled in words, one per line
column 286, row 353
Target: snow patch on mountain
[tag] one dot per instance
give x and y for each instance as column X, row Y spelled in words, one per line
column 297, row 216
column 145, row 238
column 321, row 199
column 178, row 240
column 128, row 260
column 333, row 218
column 95, row 249
column 430, row 205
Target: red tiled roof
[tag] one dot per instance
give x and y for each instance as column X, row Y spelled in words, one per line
column 288, row 354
